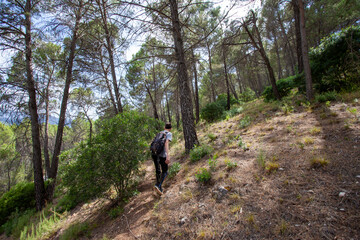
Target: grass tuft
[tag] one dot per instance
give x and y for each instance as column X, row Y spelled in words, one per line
column 318, row 162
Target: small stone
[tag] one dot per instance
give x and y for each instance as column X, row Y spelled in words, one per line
column 342, row 194
column 183, row 220
column 342, row 209
column 358, row 176
column 222, row 190
column 281, row 169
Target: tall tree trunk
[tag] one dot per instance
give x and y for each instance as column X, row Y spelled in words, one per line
column 46, row 132
column 298, row 36
column 232, row 87
column 185, row 94
column 59, row 135
column 177, row 113
column 259, row 46
column 108, row 85
column 211, row 74
column 40, row 193
column 197, row 105
column 304, row 46
column 226, row 77
column 109, row 47
column 287, row 44
column 168, row 108
column 277, row 56
column 153, row 103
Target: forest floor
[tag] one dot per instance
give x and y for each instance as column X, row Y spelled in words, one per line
column 298, row 179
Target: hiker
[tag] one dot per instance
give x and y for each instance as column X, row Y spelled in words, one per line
column 162, row 159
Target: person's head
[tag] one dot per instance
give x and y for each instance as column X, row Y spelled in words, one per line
column 168, row 126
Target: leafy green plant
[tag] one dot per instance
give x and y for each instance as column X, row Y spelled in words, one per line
column 284, row 87
column 116, row 211
column 20, row 197
column 67, row 202
column 326, row 97
column 212, row 112
column 245, row 122
column 213, row 162
column 248, row 95
column 203, row 175
column 199, row 152
column 17, row 222
column 44, row 227
column 174, row 169
column 117, row 150
column 271, row 167
column 261, row 159
column 212, row 137
column 286, row 108
column 229, row 164
column 75, row 231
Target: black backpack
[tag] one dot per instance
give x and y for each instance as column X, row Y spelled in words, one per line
column 158, row 144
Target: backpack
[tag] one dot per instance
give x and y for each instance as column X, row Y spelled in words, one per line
column 158, row 144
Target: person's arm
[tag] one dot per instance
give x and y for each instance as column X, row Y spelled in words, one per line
column 167, row 151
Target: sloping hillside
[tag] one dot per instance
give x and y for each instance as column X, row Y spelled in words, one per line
column 278, row 172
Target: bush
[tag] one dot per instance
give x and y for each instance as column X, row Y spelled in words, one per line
column 76, row 231
column 17, row 222
column 248, row 95
column 203, row 175
column 20, row 197
column 327, row 96
column 212, row 112
column 67, row 202
column 245, row 122
column 199, row 152
column 174, row 169
column 111, row 159
column 335, row 62
column 284, row 86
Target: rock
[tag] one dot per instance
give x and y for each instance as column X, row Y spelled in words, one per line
column 281, row 169
column 342, row 194
column 183, row 221
column 202, row 205
column 223, row 190
column 358, row 176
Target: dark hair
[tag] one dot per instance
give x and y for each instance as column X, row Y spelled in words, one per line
column 168, row 125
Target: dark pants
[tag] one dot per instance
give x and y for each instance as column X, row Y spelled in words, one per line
column 160, row 175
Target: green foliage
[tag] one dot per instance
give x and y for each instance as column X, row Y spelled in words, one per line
column 174, row 169
column 261, row 159
column 115, row 212
column 213, row 162
column 44, row 227
column 229, row 164
column 111, row 159
column 20, row 197
column 326, row 96
column 284, row 86
column 335, row 62
column 241, row 143
column 203, row 175
column 17, row 222
column 212, row 137
column 248, row 95
column 67, row 202
column 76, row 231
column 245, row 122
column 199, row 152
column 212, row 112
column 233, row 112
column 215, row 111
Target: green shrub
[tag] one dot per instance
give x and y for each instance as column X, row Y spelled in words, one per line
column 212, row 137
column 248, row 95
column 199, row 152
column 67, row 202
column 213, row 162
column 174, row 169
column 284, row 86
column 261, row 159
column 326, row 96
column 112, row 158
column 20, row 197
column 76, row 231
column 245, row 122
column 115, row 212
column 229, row 164
column 233, row 112
column 212, row 112
column 203, row 175
column 335, row 62
column 17, row 222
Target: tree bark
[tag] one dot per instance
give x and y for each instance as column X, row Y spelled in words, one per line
column 259, row 46
column 211, row 73
column 187, row 115
column 277, row 56
column 226, row 78
column 298, row 36
column 304, row 46
column 197, row 105
column 58, row 141
column 40, row 193
column 109, row 47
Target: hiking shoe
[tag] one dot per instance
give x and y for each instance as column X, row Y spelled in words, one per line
column 158, row 189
